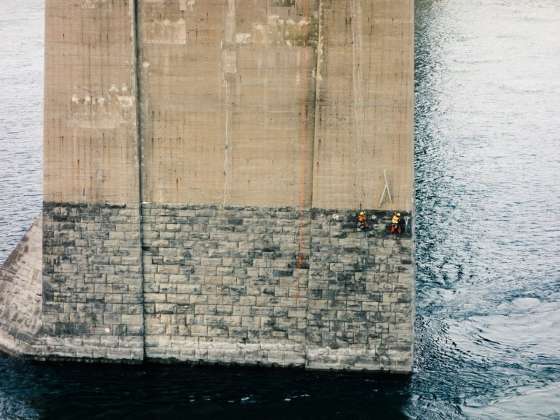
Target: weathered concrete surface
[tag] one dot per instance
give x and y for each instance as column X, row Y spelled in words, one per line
column 193, row 150
column 20, row 294
column 90, row 149
column 300, row 103
column 365, row 104
column 236, row 82
column 228, row 101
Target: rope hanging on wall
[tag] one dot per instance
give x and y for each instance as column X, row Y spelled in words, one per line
column 386, row 191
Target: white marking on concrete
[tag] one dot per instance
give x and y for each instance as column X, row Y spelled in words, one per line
column 242, row 38
column 92, row 4
column 166, row 32
column 126, row 101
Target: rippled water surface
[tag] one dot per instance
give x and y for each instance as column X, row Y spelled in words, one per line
column 21, row 117
column 488, row 240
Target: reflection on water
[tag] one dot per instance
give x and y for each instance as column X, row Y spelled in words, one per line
column 488, row 240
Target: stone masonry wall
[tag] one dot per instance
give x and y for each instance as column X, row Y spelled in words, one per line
column 20, row 294
column 360, row 294
column 92, row 282
column 240, row 285
column 223, row 285
column 247, row 285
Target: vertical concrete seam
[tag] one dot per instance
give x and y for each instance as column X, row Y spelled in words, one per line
column 135, row 18
column 227, row 70
column 317, row 90
column 358, row 99
column 318, row 79
column 303, row 137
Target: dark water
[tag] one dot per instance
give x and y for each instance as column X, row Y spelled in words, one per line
column 488, row 240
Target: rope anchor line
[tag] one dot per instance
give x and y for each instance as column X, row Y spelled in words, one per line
column 386, row 190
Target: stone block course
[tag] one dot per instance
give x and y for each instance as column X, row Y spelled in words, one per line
column 242, row 283
column 96, row 278
column 304, row 288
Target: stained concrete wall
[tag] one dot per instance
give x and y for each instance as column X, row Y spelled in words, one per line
column 204, row 162
column 298, row 103
column 228, row 101
column 275, row 103
column 365, row 104
column 90, row 148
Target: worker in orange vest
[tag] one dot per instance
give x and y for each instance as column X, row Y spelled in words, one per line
column 362, row 220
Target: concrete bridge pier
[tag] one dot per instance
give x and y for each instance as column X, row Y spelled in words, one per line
column 204, row 165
